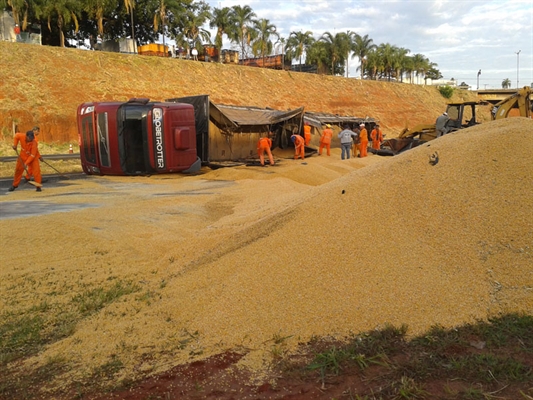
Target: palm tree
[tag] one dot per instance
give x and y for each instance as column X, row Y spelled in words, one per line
column 408, row 68
column 399, row 61
column 18, row 7
column 160, row 14
column 242, row 31
column 97, row 9
column 420, row 65
column 337, row 46
column 349, row 37
column 432, row 73
column 317, row 53
column 262, row 44
column 386, row 51
column 181, row 42
column 373, row 64
column 298, row 43
column 66, row 12
column 193, row 26
column 130, row 5
column 283, row 42
column 361, row 47
column 506, row 84
column 220, row 19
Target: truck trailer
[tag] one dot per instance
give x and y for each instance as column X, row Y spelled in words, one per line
column 137, row 137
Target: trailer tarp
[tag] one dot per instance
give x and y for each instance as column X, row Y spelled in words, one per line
column 234, row 117
column 320, row 119
column 249, row 116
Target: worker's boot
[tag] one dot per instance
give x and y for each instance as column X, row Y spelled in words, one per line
column 38, row 189
column 12, row 188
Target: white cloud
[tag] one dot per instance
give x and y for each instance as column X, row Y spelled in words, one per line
column 460, row 36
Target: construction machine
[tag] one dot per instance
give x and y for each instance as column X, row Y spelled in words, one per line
column 519, row 104
column 461, row 115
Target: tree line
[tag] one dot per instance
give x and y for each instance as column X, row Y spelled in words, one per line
column 184, row 21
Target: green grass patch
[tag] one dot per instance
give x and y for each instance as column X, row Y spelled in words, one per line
column 490, row 368
column 93, row 300
column 493, row 352
column 26, row 332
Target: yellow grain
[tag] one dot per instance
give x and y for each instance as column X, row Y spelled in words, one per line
column 234, row 257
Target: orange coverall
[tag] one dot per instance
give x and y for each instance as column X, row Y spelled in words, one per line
column 264, row 144
column 29, row 156
column 377, row 138
column 325, row 140
column 299, row 146
column 363, row 135
column 30, row 172
column 307, row 134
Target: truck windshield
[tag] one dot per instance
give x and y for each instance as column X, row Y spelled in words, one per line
column 133, row 142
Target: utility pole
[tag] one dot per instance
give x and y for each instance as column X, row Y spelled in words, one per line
column 517, row 68
column 478, row 73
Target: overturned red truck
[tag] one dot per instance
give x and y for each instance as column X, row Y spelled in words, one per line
column 183, row 134
column 137, row 137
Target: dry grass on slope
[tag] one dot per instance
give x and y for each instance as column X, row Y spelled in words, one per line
column 44, row 85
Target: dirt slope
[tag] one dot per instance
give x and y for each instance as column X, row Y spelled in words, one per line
column 44, row 85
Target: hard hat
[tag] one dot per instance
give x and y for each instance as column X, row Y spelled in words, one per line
column 328, row 126
column 361, row 124
column 293, row 138
column 444, row 113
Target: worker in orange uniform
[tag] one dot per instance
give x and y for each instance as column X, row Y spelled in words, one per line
column 263, row 145
column 355, row 145
column 325, row 140
column 29, row 157
column 377, row 137
column 29, row 172
column 299, row 146
column 363, row 141
column 307, row 133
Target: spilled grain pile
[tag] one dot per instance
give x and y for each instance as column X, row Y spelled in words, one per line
column 399, row 241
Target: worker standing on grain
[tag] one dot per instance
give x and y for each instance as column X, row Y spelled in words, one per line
column 28, row 158
column 263, row 145
column 299, row 146
column 346, row 141
column 377, row 137
column 307, row 133
column 363, row 137
column 325, row 140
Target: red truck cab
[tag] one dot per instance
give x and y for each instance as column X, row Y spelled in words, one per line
column 137, row 137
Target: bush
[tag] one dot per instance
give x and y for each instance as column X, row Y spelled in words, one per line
column 446, row 91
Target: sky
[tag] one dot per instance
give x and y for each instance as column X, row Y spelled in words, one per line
column 462, row 36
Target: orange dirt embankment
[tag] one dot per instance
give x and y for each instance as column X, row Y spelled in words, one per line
column 44, row 85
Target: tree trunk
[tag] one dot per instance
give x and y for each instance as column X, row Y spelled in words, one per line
column 61, row 35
